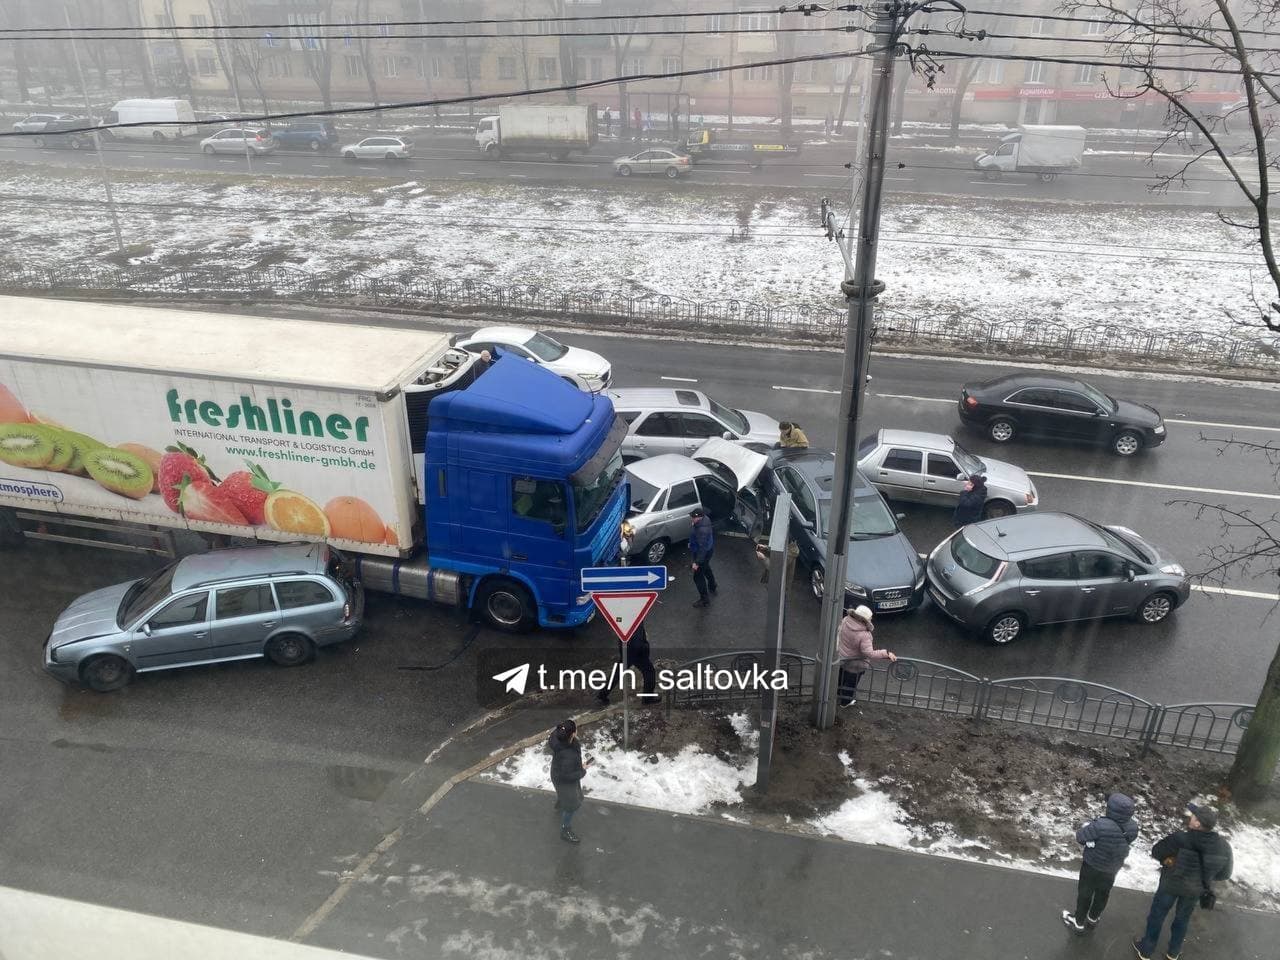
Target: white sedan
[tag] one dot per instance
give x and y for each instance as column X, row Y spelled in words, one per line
column 582, row 368
column 378, row 148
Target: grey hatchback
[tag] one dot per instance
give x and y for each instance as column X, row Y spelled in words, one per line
column 280, row 602
column 1000, row 576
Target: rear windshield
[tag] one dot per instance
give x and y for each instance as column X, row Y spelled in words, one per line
column 972, row 559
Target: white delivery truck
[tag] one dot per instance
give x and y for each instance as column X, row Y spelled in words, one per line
column 166, row 119
column 1045, row 151
column 534, row 128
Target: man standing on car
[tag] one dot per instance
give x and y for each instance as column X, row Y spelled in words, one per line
column 1106, row 841
column 702, row 544
column 1190, row 861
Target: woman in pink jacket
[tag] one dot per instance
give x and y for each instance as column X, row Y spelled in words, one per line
column 856, row 651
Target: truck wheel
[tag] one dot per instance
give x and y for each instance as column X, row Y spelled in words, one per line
column 157, row 136
column 624, row 171
column 492, row 151
column 106, row 672
column 1047, row 177
column 507, row 606
column 289, row 649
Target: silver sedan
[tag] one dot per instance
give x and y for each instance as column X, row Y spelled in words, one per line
column 378, row 148
column 932, row 468
column 654, row 162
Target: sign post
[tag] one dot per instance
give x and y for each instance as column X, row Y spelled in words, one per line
column 613, row 591
column 774, row 617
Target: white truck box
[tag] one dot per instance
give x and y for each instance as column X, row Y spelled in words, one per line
column 1050, row 147
column 523, row 122
column 318, row 408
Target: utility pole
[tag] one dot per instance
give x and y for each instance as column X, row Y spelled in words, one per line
column 97, row 137
column 861, row 292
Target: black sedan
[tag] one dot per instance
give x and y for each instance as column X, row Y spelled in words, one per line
column 883, row 570
column 1059, row 408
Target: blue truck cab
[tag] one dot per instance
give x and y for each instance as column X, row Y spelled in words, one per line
column 523, row 488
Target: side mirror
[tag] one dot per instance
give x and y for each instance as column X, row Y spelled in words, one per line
column 961, row 476
column 901, row 516
column 726, row 435
column 146, row 629
column 1099, row 413
column 1130, row 574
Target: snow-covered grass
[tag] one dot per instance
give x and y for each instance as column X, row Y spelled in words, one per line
column 1139, row 266
column 697, row 783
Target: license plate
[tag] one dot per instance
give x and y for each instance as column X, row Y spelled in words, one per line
column 938, row 598
column 892, row 604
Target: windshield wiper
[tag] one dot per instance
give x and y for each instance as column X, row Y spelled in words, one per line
column 870, row 536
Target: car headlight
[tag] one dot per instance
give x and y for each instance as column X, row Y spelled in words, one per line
column 857, row 589
column 1174, row 570
column 591, row 376
column 1159, row 428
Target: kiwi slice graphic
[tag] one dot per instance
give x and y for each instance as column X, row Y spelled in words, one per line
column 63, row 451
column 82, row 444
column 120, row 472
column 25, row 445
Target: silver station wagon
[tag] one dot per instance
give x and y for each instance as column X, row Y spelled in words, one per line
column 278, row 602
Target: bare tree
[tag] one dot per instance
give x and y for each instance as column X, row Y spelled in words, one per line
column 368, row 64
column 221, row 46
column 567, row 50
column 137, row 52
column 1154, row 35
column 1250, row 546
column 733, row 54
column 786, row 79
column 968, row 71
column 247, row 54
column 317, row 58
column 620, row 49
column 14, row 14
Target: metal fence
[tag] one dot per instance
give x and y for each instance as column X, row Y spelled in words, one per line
column 954, row 332
column 1057, row 703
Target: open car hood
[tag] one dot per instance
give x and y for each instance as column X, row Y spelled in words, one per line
column 721, row 455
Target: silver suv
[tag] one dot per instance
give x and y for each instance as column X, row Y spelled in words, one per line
column 1001, row 576
column 662, row 420
column 279, row 602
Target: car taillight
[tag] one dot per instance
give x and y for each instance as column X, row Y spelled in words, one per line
column 971, row 402
column 258, row 137
column 346, row 611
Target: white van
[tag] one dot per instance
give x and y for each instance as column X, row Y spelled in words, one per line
column 174, row 118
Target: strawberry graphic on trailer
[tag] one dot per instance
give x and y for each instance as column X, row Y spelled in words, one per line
column 200, row 500
column 247, row 491
column 181, row 463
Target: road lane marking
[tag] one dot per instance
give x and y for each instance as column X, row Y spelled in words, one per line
column 805, row 389
column 1155, row 486
column 274, row 163
column 681, row 379
column 136, row 156
column 1230, row 592
column 1194, row 423
column 466, row 173
column 1000, row 183
column 846, row 176
column 519, row 176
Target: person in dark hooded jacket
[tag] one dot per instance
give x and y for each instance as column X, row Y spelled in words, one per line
column 969, row 506
column 567, row 771
column 1190, row 861
column 1106, row 841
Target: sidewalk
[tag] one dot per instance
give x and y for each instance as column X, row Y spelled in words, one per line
column 485, row 874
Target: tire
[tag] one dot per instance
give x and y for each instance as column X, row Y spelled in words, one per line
column 289, row 649
column 656, row 552
column 506, row 605
column 1004, row 628
column 993, row 509
column 314, row 145
column 560, row 155
column 77, row 143
column 208, row 150
column 1047, row 177
column 349, row 155
column 624, row 171
column 389, row 156
column 492, row 151
column 157, row 136
column 817, row 583
column 106, row 135
column 39, row 142
column 1001, row 430
column 1126, row 443
column 1156, row 608
column 106, row 672
column 673, row 173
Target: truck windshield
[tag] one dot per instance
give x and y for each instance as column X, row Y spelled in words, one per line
column 544, row 348
column 144, row 595
column 589, row 497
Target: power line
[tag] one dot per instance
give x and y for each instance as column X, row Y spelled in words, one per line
column 1111, row 22
column 1205, row 51
column 208, row 35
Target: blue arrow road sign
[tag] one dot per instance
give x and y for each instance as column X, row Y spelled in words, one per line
column 622, row 579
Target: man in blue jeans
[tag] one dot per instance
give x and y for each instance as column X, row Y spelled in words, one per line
column 1190, row 861
column 702, row 545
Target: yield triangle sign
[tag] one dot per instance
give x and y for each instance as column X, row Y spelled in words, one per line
column 624, row 612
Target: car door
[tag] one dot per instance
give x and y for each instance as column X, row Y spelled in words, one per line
column 728, row 509
column 1035, row 412
column 659, row 433
column 1102, row 578
column 681, row 500
column 1048, row 587
column 804, row 518
column 243, row 618
column 697, row 429
column 897, row 472
column 1080, row 417
column 943, row 480
column 177, row 633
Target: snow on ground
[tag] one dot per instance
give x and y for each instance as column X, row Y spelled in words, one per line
column 696, row 783
column 1140, row 266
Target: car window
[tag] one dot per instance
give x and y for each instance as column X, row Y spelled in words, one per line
column 300, row 593
column 716, row 496
column 940, row 465
column 545, row 348
column 628, row 415
column 908, row 461
column 1066, row 400
column 643, row 493
column 244, row 601
column 804, row 501
column 538, row 500
column 659, row 425
column 1038, row 398
column 970, row 558
column 682, row 495
column 698, row 425
column 184, row 610
column 1057, row 567
column 1099, row 565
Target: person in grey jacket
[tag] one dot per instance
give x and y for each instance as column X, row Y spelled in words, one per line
column 1190, row 861
column 1106, row 841
column 567, row 771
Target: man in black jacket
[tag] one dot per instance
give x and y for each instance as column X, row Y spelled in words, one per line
column 1106, row 841
column 1190, row 861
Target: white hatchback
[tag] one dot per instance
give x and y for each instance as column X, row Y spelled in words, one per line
column 584, row 369
column 378, row 148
